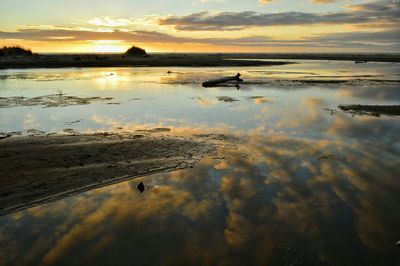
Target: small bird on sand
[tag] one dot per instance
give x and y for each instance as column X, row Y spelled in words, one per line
column 140, row 187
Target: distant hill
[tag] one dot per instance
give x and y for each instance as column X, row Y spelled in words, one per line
column 15, row 51
column 135, row 51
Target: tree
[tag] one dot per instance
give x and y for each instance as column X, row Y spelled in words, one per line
column 15, row 51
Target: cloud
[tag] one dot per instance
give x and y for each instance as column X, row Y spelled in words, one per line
column 206, row 1
column 325, row 1
column 389, row 38
column 206, row 21
column 360, row 38
column 266, row 1
column 312, row 1
column 110, row 22
column 385, row 35
column 375, row 25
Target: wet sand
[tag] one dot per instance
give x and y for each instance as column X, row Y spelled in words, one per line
column 374, row 110
column 52, row 100
column 46, row 167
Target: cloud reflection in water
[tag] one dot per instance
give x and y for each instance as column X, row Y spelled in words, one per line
column 270, row 201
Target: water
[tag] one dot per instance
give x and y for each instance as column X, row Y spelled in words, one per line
column 304, row 187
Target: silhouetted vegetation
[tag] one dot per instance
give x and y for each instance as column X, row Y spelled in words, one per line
column 135, row 51
column 15, row 51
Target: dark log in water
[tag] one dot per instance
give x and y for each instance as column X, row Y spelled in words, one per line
column 216, row 82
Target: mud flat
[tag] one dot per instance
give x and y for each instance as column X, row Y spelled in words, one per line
column 53, row 100
column 374, row 110
column 47, row 167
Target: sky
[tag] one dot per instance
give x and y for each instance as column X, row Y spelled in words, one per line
column 97, row 26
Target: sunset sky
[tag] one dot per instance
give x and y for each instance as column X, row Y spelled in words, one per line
column 202, row 25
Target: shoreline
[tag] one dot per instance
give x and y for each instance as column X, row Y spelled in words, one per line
column 83, row 61
column 180, row 60
column 321, row 56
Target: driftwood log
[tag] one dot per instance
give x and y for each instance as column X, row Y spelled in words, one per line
column 216, row 82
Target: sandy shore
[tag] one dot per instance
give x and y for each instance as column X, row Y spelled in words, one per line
column 39, row 169
column 113, row 60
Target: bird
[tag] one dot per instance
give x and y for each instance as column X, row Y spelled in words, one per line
column 140, row 187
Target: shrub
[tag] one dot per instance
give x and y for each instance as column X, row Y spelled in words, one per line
column 135, row 51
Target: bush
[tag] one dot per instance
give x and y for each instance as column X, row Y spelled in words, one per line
column 15, row 51
column 135, row 51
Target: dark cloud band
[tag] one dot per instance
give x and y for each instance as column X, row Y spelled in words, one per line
column 389, row 38
column 383, row 10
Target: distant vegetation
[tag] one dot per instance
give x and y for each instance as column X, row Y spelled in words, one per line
column 135, row 51
column 15, row 51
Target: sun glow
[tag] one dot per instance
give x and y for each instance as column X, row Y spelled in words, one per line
column 109, row 46
column 107, row 49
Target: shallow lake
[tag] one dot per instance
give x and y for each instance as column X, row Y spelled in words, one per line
column 307, row 184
